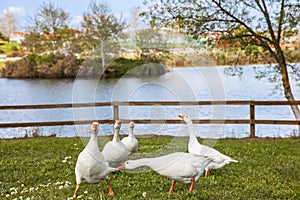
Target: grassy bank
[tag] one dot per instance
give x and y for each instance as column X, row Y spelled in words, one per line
column 43, row 168
column 10, row 49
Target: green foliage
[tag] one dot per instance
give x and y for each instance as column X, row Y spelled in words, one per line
column 43, row 168
column 123, row 65
column 41, row 59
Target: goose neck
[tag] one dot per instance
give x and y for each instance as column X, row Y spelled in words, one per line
column 191, row 130
column 130, row 132
column 116, row 135
column 93, row 138
column 140, row 163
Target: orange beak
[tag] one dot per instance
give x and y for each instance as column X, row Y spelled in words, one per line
column 122, row 166
column 181, row 116
column 94, row 125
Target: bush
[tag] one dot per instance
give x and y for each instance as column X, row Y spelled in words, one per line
column 23, row 68
column 66, row 67
column 133, row 67
column 42, row 66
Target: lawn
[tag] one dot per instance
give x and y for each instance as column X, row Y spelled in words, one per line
column 43, row 168
column 7, row 48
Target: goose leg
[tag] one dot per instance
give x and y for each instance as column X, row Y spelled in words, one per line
column 192, row 185
column 172, row 187
column 110, row 190
column 206, row 173
column 76, row 190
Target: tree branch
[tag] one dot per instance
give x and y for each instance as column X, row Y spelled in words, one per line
column 282, row 13
column 249, row 5
column 264, row 10
column 263, row 40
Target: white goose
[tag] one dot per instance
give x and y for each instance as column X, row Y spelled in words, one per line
column 195, row 148
column 115, row 151
column 177, row 166
column 91, row 165
column 130, row 141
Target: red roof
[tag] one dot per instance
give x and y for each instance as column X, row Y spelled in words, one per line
column 20, row 33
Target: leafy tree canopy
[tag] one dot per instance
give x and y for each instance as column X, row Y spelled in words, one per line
column 49, row 31
column 49, row 18
column 99, row 24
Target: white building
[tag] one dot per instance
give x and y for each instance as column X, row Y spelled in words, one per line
column 18, row 37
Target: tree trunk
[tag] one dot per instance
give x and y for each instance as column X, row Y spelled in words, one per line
column 287, row 88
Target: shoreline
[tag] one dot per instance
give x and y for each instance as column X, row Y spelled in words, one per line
column 20, row 67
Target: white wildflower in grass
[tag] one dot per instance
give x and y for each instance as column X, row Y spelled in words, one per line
column 80, row 196
column 75, row 147
column 85, row 192
column 22, row 185
column 25, row 190
column 62, row 185
column 31, row 189
column 7, row 195
column 13, row 190
column 144, row 194
column 67, row 184
column 66, row 159
column 58, row 183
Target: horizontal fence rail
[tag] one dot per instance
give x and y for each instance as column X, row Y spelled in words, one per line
column 115, row 106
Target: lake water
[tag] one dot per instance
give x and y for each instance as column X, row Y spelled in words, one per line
column 179, row 84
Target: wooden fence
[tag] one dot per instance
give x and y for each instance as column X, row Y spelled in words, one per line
column 116, row 105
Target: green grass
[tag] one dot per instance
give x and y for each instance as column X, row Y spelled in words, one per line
column 39, row 168
column 8, row 48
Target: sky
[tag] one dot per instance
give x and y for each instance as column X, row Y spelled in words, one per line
column 24, row 9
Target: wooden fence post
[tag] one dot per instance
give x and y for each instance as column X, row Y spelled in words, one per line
column 252, row 119
column 116, row 112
